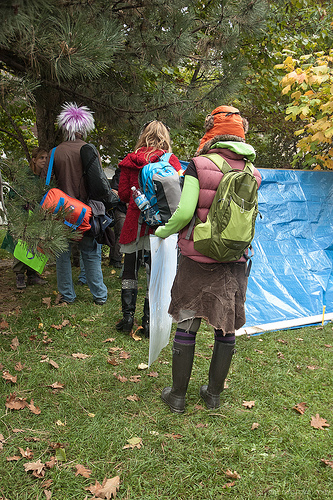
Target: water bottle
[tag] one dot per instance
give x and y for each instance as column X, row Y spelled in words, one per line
column 140, row 199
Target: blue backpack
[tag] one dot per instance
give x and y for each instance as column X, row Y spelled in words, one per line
column 161, row 184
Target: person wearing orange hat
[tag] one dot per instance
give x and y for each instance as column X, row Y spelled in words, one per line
column 203, row 287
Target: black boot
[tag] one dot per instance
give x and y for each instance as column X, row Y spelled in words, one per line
column 145, row 318
column 218, row 370
column 128, row 302
column 182, row 360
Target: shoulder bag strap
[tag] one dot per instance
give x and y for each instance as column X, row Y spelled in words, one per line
column 49, row 170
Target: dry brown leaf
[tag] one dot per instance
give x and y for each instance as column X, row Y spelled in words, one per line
column 228, row 485
column 255, row 425
column 300, row 407
column 248, row 404
column 37, row 468
column 120, row 378
column 47, row 301
column 15, row 343
column 328, row 346
column 200, row 424
column 319, row 423
column 79, row 355
column 13, row 458
column 4, row 325
column 14, row 403
column 174, row 436
column 327, row 462
column 114, row 349
column 280, row 355
column 48, row 494
column 135, row 335
column 47, row 483
column 62, row 325
column 7, row 376
column 19, row 367
column 26, row 453
column 54, row 364
column 124, row 355
column 50, row 464
column 111, row 339
column 282, row 341
column 232, row 475
column 107, row 489
column 113, row 361
column 133, row 398
column 260, row 352
column 135, row 378
column 33, row 408
column 83, row 471
column 152, row 374
column 312, row 367
column 56, row 385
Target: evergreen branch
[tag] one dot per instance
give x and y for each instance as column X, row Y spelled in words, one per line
column 17, row 129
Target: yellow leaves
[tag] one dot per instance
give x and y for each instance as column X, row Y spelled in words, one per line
column 134, row 442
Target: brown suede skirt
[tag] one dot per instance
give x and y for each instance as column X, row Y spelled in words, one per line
column 214, row 292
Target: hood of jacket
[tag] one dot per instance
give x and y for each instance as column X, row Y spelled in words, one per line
column 140, row 158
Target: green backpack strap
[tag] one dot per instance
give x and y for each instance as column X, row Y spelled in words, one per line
column 220, row 162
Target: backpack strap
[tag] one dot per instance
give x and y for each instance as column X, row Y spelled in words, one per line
column 49, row 170
column 220, row 162
column 166, row 157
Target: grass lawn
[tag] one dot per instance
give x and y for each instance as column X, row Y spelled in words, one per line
column 86, row 411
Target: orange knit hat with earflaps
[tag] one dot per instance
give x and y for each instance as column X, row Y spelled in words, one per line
column 227, row 121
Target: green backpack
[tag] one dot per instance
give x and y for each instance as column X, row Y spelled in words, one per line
column 230, row 225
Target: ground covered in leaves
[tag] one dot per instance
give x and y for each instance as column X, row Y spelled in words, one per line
column 81, row 415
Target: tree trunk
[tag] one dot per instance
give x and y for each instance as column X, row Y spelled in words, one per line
column 48, row 102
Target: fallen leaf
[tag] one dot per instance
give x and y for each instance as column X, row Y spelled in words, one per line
column 260, row 352
column 124, row 355
column 248, row 404
column 152, row 374
column 232, row 475
column 48, row 494
column 111, row 339
column 135, row 378
column 33, row 408
column 280, row 355
column 282, row 341
column 120, row 378
column 107, row 489
column 4, row 325
column 327, row 462
column 113, row 361
column 300, row 339
column 142, row 366
column 14, row 403
column 312, row 367
column 229, row 485
column 15, row 343
column 37, row 468
column 300, row 407
column 134, row 442
column 134, row 334
column 26, row 453
column 319, row 423
column 133, row 398
column 7, row 376
column 62, row 325
column 114, row 349
column 13, row 458
column 327, row 345
column 83, row 471
column 56, row 385
column 60, row 455
column 47, row 483
column 79, row 355
column 54, row 364
column 255, row 425
column 174, row 436
column 47, row 301
column 50, row 464
column 60, row 423
column 19, row 367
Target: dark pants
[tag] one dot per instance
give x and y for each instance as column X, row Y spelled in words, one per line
column 119, row 218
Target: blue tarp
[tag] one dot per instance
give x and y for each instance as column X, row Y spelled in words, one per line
column 291, row 275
